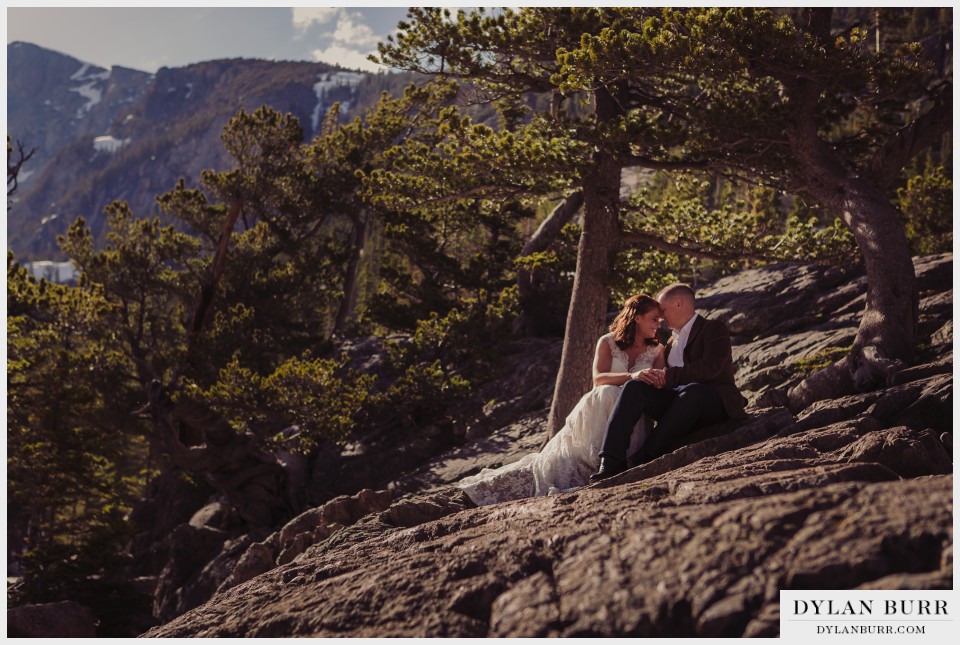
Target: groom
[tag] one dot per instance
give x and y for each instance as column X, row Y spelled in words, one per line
column 695, row 389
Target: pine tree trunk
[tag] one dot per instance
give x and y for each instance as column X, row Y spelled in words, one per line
column 348, row 303
column 885, row 339
column 595, row 256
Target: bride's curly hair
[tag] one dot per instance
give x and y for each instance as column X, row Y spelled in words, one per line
column 624, row 326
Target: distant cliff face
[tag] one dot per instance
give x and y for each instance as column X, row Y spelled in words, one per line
column 53, row 100
column 102, row 135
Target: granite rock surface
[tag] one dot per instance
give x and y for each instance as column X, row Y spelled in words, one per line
column 851, row 493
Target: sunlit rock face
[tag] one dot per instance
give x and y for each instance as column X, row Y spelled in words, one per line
column 851, row 493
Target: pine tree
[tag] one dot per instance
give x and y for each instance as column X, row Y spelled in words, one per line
column 794, row 101
column 769, row 98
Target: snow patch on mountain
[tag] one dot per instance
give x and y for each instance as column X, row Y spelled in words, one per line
column 108, row 143
column 89, row 92
column 82, row 75
column 325, row 85
column 89, row 89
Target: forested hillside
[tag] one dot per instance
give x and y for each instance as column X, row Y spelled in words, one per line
column 104, row 135
column 242, row 240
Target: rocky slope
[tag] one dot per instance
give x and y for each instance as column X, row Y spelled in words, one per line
column 851, row 493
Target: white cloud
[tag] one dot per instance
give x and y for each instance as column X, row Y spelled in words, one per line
column 342, row 37
column 304, row 17
column 337, row 54
column 351, row 32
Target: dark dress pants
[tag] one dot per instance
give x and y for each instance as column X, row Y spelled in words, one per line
column 678, row 412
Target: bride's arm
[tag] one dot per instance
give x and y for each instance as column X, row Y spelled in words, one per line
column 661, row 360
column 602, row 361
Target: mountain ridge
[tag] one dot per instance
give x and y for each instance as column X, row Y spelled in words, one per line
column 102, row 135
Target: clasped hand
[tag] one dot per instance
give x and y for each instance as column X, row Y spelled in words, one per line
column 654, row 377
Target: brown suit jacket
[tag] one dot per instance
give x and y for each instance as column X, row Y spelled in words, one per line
column 708, row 359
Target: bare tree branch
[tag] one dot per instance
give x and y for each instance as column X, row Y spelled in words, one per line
column 14, row 164
column 550, row 227
column 898, row 150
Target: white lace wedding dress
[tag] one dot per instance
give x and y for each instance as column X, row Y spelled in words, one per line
column 572, row 455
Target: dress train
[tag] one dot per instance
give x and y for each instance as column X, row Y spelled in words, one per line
column 572, row 455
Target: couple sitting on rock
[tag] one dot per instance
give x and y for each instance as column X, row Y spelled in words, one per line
column 683, row 385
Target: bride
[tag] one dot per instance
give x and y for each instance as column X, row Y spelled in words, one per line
column 572, row 455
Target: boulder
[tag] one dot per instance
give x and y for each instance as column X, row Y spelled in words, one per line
column 307, row 529
column 66, row 619
column 258, row 558
column 190, row 550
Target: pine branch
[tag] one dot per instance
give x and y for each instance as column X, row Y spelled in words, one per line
column 692, row 250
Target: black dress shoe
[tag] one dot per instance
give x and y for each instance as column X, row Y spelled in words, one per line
column 608, row 468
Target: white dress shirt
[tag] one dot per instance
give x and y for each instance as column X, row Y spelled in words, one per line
column 675, row 358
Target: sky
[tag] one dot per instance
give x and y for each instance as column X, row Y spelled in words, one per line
column 147, row 38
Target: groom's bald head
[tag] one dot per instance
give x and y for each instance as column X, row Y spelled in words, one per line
column 678, row 304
